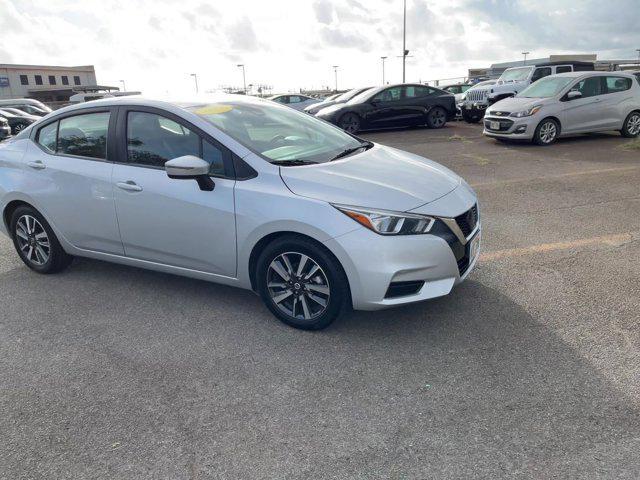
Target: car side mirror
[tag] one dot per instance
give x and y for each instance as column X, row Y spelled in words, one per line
column 572, row 95
column 190, row 167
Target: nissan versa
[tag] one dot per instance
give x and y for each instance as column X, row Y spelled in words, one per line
column 243, row 192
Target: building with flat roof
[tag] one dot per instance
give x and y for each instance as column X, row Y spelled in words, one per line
column 47, row 83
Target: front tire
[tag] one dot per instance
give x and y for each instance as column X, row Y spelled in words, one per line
column 546, row 132
column 350, row 123
column 35, row 242
column 301, row 283
column 437, row 117
column 631, row 128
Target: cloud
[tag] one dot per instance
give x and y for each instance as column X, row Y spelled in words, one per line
column 241, row 36
column 10, row 20
column 342, row 38
column 323, row 10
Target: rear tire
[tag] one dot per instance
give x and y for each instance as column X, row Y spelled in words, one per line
column 631, row 127
column 350, row 123
column 35, row 242
column 437, row 117
column 546, row 132
column 308, row 297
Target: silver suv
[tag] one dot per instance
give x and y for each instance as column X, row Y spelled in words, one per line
column 567, row 104
column 511, row 82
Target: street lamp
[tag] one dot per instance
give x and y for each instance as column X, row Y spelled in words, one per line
column 244, row 78
column 383, row 59
column 524, row 62
column 638, row 50
column 405, row 52
column 335, row 71
column 195, row 77
column 124, row 88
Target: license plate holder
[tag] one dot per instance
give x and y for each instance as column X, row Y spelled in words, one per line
column 494, row 125
column 474, row 247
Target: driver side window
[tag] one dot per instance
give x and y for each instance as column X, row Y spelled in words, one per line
column 389, row 95
column 589, row 87
column 152, row 140
column 540, row 73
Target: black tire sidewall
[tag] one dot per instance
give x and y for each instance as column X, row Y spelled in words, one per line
column 58, row 258
column 536, row 134
column 470, row 118
column 338, row 284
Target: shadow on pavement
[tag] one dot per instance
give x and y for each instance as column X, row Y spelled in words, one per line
column 121, row 372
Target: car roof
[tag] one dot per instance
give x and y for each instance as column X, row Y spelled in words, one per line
column 593, row 74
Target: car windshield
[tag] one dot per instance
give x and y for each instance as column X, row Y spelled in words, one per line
column 345, row 97
column 279, row 134
column 361, row 97
column 515, row 74
column 545, row 87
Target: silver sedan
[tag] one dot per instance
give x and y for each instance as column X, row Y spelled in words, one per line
column 243, row 192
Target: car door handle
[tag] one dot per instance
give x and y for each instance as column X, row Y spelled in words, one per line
column 37, row 165
column 129, row 186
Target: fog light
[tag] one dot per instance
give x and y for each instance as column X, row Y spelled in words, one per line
column 521, row 129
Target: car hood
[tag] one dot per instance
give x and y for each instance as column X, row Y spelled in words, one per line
column 516, row 104
column 381, row 177
column 320, row 105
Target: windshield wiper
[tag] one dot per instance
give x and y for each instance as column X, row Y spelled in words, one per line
column 349, row 151
column 293, row 162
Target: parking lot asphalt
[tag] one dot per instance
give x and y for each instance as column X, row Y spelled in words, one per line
column 530, row 369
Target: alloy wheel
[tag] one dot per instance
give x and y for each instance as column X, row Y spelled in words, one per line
column 33, row 240
column 298, row 286
column 18, row 128
column 633, row 125
column 437, row 118
column 548, row 132
column 350, row 123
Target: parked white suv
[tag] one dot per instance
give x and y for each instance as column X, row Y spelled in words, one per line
column 567, row 104
column 511, row 82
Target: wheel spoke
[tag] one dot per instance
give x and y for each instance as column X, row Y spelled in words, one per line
column 318, row 300
column 277, row 285
column 40, row 252
column 318, row 288
column 287, row 263
column 305, row 307
column 282, row 296
column 277, row 267
column 313, row 270
column 30, row 253
column 21, row 233
column 303, row 262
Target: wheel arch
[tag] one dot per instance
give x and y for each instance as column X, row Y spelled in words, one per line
column 555, row 119
column 11, row 207
column 262, row 243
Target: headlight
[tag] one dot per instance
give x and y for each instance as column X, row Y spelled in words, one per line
column 385, row 222
column 527, row 113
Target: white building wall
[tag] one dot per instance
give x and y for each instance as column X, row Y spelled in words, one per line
column 11, row 85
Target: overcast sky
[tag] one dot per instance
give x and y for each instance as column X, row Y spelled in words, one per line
column 155, row 44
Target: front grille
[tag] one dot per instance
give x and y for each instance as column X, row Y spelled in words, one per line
column 500, row 114
column 504, row 124
column 477, row 95
column 402, row 289
column 468, row 220
column 460, row 252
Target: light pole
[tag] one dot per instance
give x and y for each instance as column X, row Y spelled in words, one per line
column 524, row 62
column 335, row 71
column 638, row 50
column 244, row 78
column 195, row 77
column 383, row 59
column 404, row 39
column 124, row 88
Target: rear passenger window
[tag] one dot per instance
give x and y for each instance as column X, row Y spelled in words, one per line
column 84, row 135
column 47, row 136
column 416, row 91
column 152, row 140
column 563, row 69
column 618, row 84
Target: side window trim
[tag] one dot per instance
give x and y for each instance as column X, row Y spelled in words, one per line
column 35, row 133
column 121, row 133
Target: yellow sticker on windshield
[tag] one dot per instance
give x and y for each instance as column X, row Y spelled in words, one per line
column 214, row 109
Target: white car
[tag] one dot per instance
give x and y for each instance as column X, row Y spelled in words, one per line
column 297, row 101
column 568, row 104
column 239, row 191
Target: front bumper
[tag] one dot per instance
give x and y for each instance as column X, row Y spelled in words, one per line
column 509, row 127
column 374, row 263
